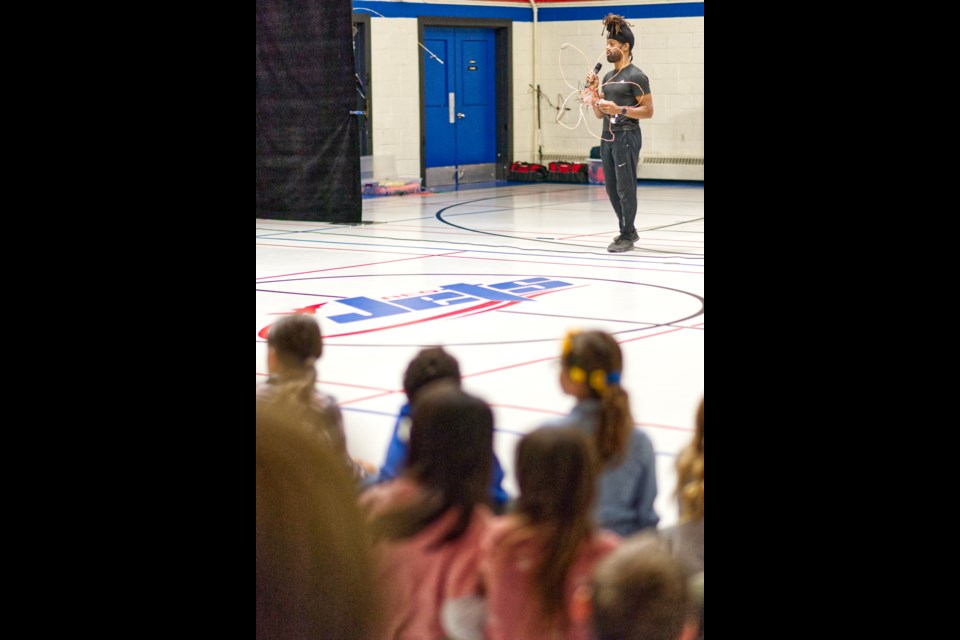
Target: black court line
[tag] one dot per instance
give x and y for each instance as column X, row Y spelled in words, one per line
column 439, row 216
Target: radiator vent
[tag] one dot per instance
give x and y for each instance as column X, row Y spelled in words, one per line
column 644, row 159
column 564, row 157
column 652, row 166
column 680, row 160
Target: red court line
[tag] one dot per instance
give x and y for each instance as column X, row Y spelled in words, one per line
column 663, row 426
column 378, row 395
column 492, row 404
column 668, row 427
column 673, row 247
column 358, row 386
column 563, row 413
column 539, row 234
column 344, row 384
column 533, row 409
column 510, row 366
column 467, row 257
column 522, row 364
column 326, row 247
column 472, row 232
column 535, row 235
column 504, row 305
column 480, row 308
column 367, row 264
column 474, row 229
column 699, row 324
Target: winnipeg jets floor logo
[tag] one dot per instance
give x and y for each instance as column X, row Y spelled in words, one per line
column 362, row 314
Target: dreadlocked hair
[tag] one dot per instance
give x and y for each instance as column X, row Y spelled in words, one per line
column 690, row 475
column 594, row 358
column 612, row 23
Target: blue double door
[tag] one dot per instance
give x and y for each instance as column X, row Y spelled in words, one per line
column 460, row 106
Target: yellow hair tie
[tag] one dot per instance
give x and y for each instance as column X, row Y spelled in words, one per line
column 578, row 375
column 598, row 380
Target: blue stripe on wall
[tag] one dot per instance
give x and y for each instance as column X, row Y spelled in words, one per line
column 640, row 12
column 417, row 9
column 546, row 13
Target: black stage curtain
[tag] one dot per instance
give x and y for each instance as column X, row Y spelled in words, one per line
column 308, row 143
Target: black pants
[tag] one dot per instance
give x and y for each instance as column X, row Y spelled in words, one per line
column 620, row 158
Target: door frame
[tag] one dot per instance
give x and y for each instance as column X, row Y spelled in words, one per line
column 503, row 118
column 364, row 19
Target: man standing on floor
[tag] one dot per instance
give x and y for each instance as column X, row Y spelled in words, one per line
column 624, row 99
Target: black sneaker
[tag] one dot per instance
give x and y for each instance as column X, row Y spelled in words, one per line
column 621, row 245
column 633, row 237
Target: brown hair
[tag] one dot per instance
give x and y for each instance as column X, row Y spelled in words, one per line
column 618, row 29
column 594, row 357
column 451, row 454
column 430, row 364
column 298, row 344
column 640, row 592
column 557, row 484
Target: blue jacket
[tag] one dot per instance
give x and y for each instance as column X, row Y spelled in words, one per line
column 396, row 459
column 625, row 492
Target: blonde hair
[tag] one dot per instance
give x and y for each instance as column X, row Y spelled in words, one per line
column 690, row 474
column 315, row 563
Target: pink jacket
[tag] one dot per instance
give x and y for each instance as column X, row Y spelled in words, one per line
column 418, row 580
column 513, row 610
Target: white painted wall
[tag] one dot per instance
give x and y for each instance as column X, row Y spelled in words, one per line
column 669, row 50
column 524, row 101
column 395, row 83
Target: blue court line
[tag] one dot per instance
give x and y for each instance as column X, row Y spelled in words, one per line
column 391, row 414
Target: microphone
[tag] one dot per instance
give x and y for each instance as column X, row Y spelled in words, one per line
column 596, row 72
column 588, row 95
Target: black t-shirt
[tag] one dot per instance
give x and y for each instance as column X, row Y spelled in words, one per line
column 625, row 89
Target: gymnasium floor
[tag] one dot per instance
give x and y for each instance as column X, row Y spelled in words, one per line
column 545, row 245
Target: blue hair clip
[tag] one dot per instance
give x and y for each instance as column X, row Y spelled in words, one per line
column 613, row 377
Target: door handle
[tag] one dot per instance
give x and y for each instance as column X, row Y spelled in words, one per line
column 460, row 115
